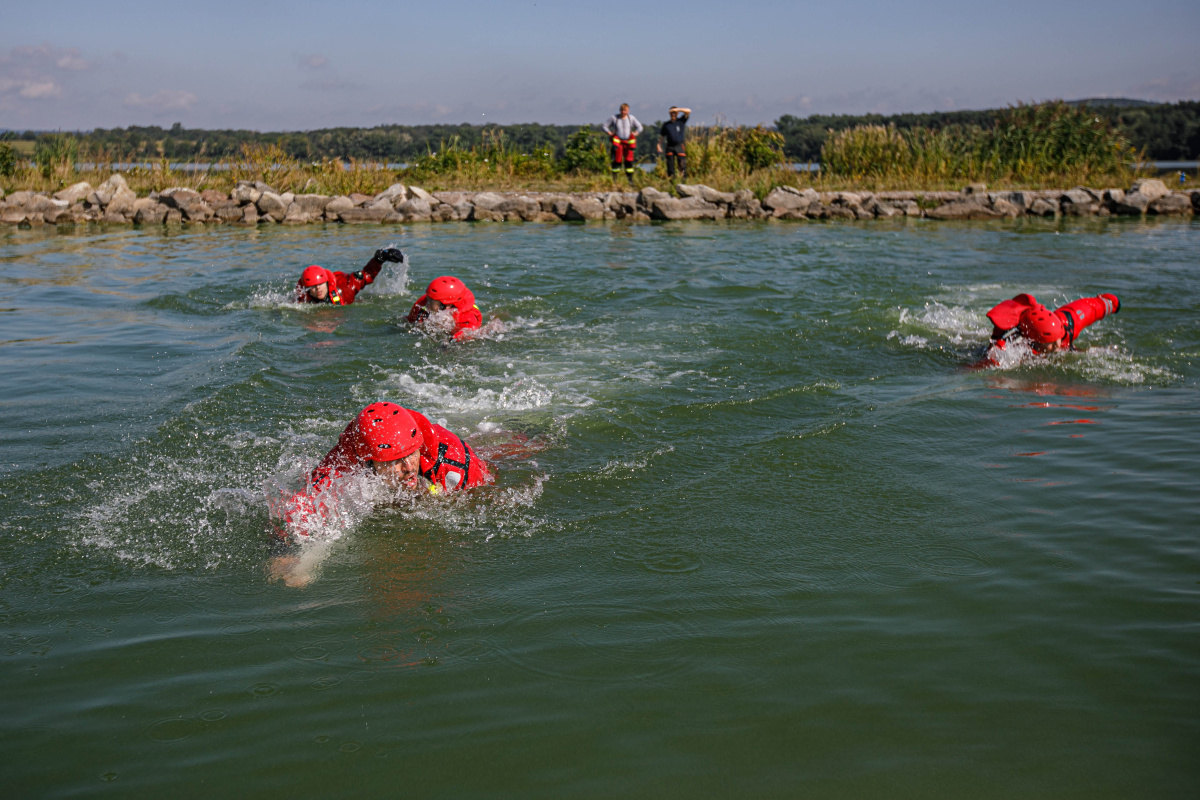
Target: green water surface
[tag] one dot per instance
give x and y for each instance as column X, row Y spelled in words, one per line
column 757, row 531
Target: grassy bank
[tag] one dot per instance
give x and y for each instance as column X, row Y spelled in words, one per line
column 1046, row 146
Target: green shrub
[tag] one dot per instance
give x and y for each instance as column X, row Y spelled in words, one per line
column 8, row 160
column 585, row 152
column 1027, row 143
column 55, row 155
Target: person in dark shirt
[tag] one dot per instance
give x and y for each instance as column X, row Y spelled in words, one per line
column 673, row 132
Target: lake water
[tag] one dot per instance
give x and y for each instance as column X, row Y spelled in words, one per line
column 757, row 532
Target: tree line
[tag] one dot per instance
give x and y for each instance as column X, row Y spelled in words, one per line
column 1165, row 131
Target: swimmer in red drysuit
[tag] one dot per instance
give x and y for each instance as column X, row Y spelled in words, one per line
column 1048, row 331
column 1023, row 317
column 320, row 285
column 448, row 292
column 403, row 448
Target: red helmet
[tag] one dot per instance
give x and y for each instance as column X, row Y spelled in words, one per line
column 314, row 276
column 1039, row 324
column 386, row 432
column 447, row 290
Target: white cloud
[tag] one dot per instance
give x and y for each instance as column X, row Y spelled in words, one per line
column 313, row 60
column 162, row 100
column 71, row 60
column 1169, row 88
column 30, row 71
column 36, row 89
column 40, row 89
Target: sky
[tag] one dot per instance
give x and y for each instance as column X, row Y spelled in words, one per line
column 299, row 65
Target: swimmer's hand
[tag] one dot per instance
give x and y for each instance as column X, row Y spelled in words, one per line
column 392, row 254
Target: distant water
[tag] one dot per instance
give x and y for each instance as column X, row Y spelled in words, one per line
column 757, row 532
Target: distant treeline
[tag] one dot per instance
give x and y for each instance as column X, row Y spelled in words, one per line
column 1165, row 131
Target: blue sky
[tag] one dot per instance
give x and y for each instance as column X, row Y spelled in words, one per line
column 271, row 65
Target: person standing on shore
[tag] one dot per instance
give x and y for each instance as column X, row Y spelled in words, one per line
column 320, row 285
column 624, row 129
column 673, row 132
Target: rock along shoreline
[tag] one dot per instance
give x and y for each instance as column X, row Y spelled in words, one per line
column 113, row 202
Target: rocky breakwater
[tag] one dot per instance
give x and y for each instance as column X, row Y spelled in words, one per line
column 113, row 202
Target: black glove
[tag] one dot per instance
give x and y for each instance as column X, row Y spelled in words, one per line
column 393, row 254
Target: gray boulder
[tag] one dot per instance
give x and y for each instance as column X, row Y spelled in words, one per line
column 585, row 208
column 297, row 215
column 249, row 214
column 882, row 210
column 178, row 197
column 230, row 213
column 487, row 201
column 272, row 205
column 1152, row 188
column 19, row 198
column 245, row 192
column 121, row 201
column 705, row 193
column 1042, row 207
column 647, row 197
column 745, row 205
column 784, row 198
column 556, row 204
column 361, row 200
column 417, row 193
column 965, row 209
column 336, row 206
column 115, row 181
column 415, row 210
column 1132, row 204
column 40, row 204
column 373, row 213
column 396, row 190
column 519, row 207
column 1005, row 209
column 105, row 192
column 831, row 211
column 451, row 198
column 1173, row 203
column 1019, row 200
column 197, row 212
column 313, row 204
column 12, row 215
column 75, row 192
column 464, row 210
column 152, row 214
column 1078, row 203
column 687, row 208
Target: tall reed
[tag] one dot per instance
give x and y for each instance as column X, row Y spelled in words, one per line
column 1050, row 142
